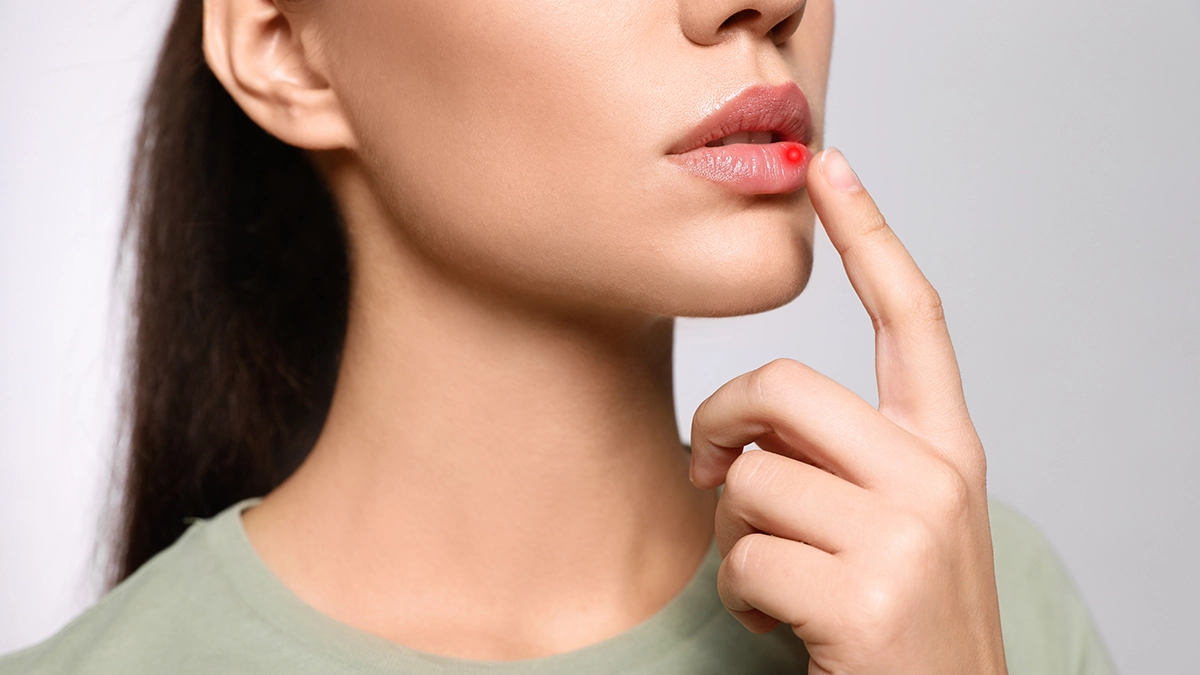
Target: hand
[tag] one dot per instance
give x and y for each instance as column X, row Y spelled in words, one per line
column 864, row 529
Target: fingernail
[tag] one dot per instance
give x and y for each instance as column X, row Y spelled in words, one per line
column 838, row 172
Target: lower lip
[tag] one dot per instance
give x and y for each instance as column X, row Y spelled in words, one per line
column 750, row 168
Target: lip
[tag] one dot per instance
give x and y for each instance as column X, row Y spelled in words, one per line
column 751, row 168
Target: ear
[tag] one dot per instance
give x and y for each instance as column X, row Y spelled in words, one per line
column 259, row 55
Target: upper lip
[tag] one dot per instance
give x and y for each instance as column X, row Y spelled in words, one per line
column 782, row 109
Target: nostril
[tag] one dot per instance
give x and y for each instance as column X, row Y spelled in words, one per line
column 743, row 15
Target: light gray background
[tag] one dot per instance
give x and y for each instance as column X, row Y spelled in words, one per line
column 1038, row 157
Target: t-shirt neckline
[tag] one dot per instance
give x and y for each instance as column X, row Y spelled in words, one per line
column 656, row 637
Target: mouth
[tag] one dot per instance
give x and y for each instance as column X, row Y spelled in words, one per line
column 757, row 137
column 755, row 143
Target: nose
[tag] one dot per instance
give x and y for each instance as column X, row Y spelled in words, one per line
column 708, row 22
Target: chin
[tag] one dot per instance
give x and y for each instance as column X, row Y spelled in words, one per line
column 739, row 274
column 748, row 286
column 748, row 293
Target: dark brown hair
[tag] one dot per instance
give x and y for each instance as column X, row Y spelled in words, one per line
column 239, row 308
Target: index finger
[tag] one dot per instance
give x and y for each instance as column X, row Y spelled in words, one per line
column 919, row 383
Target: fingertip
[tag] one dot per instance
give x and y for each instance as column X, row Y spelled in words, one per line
column 837, row 171
column 820, row 190
column 702, row 481
column 703, row 477
column 814, row 168
column 755, row 621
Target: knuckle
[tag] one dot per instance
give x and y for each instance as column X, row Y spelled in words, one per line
column 926, row 304
column 708, row 414
column 977, row 464
column 972, row 461
column 700, row 418
column 882, row 599
column 879, row 320
column 877, row 606
column 776, row 376
column 705, row 406
column 875, row 227
column 946, row 491
column 910, row 542
column 975, row 455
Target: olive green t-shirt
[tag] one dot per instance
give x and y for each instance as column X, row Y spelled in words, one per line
column 208, row 604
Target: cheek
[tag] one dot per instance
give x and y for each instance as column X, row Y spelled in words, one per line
column 490, row 124
column 522, row 141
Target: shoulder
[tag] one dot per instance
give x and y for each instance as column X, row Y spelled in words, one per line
column 1046, row 624
column 142, row 624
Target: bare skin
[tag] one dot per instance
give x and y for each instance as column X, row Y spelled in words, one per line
column 501, row 453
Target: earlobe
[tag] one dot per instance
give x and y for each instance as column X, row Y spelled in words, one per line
column 258, row 54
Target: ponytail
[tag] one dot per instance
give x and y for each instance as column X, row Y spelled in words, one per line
column 239, row 307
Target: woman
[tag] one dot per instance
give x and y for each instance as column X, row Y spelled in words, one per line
column 401, row 387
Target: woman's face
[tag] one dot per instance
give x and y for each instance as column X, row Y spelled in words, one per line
column 523, row 144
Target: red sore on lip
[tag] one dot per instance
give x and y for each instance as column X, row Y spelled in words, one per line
column 749, row 168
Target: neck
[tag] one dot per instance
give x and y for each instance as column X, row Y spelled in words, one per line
column 486, row 454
